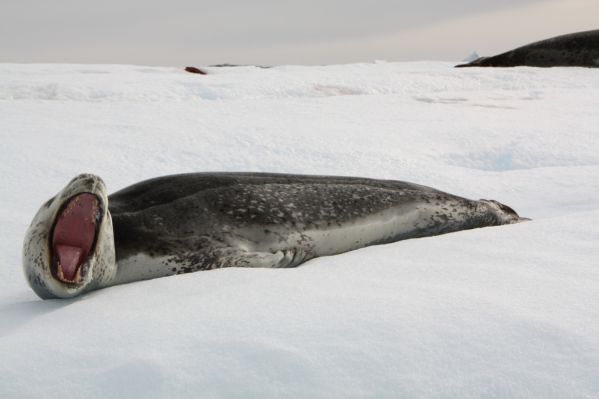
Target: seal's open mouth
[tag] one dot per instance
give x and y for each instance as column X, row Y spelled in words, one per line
column 74, row 237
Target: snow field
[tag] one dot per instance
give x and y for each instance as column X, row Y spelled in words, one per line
column 498, row 312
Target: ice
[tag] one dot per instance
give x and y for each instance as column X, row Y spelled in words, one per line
column 508, row 312
column 471, row 57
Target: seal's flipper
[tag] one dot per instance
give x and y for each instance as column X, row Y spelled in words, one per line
column 237, row 257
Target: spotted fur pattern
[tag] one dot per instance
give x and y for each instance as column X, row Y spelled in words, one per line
column 200, row 221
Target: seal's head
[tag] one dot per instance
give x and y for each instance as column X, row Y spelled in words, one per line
column 503, row 213
column 69, row 246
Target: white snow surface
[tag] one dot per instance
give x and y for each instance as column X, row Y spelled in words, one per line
column 503, row 312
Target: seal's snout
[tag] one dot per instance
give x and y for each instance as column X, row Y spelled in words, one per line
column 69, row 246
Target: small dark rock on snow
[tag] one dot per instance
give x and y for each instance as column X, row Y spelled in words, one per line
column 192, row 69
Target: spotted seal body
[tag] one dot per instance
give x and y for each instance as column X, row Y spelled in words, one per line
column 575, row 49
column 82, row 239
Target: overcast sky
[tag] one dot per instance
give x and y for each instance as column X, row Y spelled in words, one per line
column 272, row 32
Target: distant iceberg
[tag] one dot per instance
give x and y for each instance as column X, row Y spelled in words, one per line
column 473, row 56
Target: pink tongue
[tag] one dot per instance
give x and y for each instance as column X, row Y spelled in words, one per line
column 69, row 258
column 74, row 234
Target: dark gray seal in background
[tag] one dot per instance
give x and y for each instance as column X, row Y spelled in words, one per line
column 575, row 50
column 82, row 239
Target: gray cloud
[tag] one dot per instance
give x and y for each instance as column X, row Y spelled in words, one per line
column 167, row 33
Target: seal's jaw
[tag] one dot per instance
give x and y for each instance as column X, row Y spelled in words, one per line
column 74, row 237
column 69, row 246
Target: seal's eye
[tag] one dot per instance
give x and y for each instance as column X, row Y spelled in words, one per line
column 74, row 236
column 49, row 202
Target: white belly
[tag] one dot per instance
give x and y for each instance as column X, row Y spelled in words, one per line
column 366, row 231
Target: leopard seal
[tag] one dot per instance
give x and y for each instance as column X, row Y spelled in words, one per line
column 579, row 49
column 83, row 239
